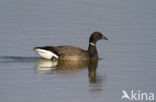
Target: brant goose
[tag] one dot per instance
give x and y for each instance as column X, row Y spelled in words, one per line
column 71, row 53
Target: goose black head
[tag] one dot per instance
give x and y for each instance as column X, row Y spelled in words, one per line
column 95, row 36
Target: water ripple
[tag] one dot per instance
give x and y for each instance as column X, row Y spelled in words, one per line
column 13, row 59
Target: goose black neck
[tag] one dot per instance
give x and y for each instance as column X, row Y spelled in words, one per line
column 92, row 51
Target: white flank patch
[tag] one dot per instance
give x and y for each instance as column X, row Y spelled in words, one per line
column 46, row 54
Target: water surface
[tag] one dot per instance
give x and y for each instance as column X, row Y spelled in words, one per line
column 128, row 58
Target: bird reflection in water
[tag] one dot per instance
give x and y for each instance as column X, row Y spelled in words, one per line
column 92, row 66
column 66, row 67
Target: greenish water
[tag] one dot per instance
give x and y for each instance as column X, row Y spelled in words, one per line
column 127, row 59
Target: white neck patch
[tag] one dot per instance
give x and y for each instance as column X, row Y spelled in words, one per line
column 92, row 44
